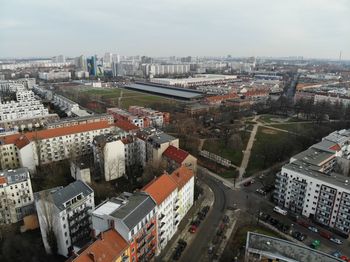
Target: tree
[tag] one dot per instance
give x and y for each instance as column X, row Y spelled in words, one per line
column 48, row 220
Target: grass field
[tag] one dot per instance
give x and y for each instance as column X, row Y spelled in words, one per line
column 266, row 141
column 295, row 126
column 218, row 147
column 117, row 97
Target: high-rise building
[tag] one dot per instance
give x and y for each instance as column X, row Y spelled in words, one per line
column 92, row 65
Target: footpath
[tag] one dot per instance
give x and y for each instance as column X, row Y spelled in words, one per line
column 205, row 199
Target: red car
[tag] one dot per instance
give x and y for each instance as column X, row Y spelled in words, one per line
column 248, row 183
column 193, row 229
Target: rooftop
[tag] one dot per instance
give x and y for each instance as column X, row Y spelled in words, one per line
column 307, row 170
column 130, row 208
column 63, row 194
column 160, row 188
column 181, row 176
column 166, row 91
column 161, row 138
column 176, row 154
column 277, row 248
column 13, row 176
column 109, row 246
column 314, row 156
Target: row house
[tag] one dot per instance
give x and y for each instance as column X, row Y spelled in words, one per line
column 66, row 211
column 16, row 195
column 120, row 114
column 152, row 117
column 133, row 216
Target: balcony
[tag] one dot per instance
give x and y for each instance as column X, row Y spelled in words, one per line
column 142, row 237
column 150, row 239
column 162, row 240
column 161, row 216
column 161, row 225
column 150, row 227
column 176, row 222
column 176, row 208
column 161, row 233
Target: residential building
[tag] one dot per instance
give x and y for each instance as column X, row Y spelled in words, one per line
column 133, row 216
column 308, row 184
column 120, row 114
column 66, row 211
column 176, row 157
column 184, row 178
column 109, row 246
column 49, row 145
column 151, row 117
column 67, row 122
column 25, row 107
column 156, row 143
column 164, row 191
column 109, row 156
column 135, row 151
column 16, row 195
column 55, row 75
column 80, row 170
column 266, row 248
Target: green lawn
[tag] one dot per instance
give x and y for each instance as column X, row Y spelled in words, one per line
column 270, row 147
column 218, row 147
column 295, row 127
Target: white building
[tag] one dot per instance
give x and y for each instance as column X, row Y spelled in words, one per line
column 26, row 107
column 164, row 192
column 66, row 210
column 50, row 145
column 308, row 185
column 54, row 75
column 109, row 155
column 80, row 170
column 16, row 195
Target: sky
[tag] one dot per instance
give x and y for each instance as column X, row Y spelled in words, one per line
column 309, row 28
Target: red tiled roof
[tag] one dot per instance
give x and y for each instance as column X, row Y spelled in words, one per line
column 24, row 139
column 176, row 154
column 3, row 180
column 212, row 99
column 160, row 188
column 181, row 176
column 107, row 248
column 125, row 125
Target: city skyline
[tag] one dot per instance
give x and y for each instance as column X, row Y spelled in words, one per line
column 312, row 29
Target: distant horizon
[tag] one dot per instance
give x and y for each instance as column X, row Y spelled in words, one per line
column 245, row 28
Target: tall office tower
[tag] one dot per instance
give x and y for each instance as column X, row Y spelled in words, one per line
column 80, row 63
column 107, row 59
column 92, row 65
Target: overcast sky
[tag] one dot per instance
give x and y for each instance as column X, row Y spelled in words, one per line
column 309, row 28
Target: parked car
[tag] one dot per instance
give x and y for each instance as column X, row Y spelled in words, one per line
column 298, row 235
column 313, row 229
column 336, row 254
column 248, row 183
column 345, row 258
column 210, row 250
column 325, row 234
column 315, row 244
column 336, row 240
column 279, row 210
column 192, row 229
column 261, row 192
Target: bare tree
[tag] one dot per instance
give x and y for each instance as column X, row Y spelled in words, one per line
column 48, row 219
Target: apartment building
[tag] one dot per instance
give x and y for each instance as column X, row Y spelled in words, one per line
column 176, row 157
column 45, row 146
column 55, row 75
column 151, row 117
column 26, row 106
column 308, row 185
column 120, row 114
column 156, row 142
column 16, row 195
column 184, row 178
column 135, row 151
column 164, row 192
column 28, row 123
column 16, row 85
column 67, row 212
column 133, row 216
column 79, row 121
column 109, row 156
column 109, row 246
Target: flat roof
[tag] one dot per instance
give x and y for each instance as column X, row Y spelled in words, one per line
column 313, row 156
column 272, row 247
column 166, row 91
column 309, row 170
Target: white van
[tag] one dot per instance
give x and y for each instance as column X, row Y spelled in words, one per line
column 280, row 210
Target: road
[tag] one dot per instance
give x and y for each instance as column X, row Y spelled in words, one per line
column 207, row 229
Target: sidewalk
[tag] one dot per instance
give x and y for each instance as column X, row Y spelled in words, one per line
column 206, row 199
